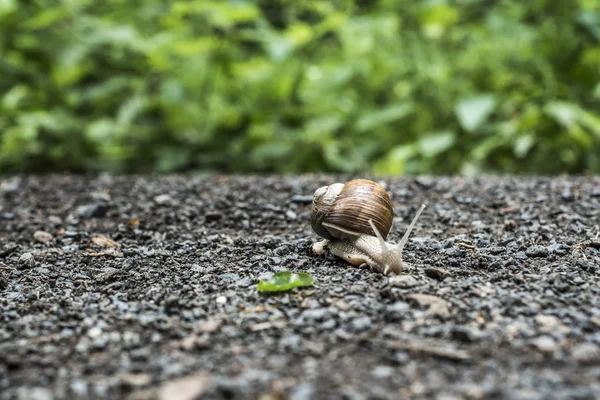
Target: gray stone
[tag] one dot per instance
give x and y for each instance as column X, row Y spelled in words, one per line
column 95, row 210
column 304, row 391
column 537, row 251
column 545, row 344
column 162, row 199
column 404, row 281
column 438, row 307
column 586, row 353
column 27, row 260
column 360, row 324
column 42, row 237
column 437, row 273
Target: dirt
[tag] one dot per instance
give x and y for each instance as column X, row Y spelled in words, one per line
column 145, row 287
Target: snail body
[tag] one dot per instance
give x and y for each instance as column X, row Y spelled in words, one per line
column 354, row 220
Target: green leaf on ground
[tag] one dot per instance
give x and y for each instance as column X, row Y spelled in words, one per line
column 285, row 280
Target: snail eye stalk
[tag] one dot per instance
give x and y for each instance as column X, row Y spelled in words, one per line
column 400, row 246
column 382, row 243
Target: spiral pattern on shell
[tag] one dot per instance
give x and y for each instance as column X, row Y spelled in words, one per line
column 350, row 206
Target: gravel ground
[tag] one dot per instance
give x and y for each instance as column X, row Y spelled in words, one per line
column 145, row 287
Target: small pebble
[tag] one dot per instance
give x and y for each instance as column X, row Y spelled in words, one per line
column 567, row 194
column 55, row 220
column 130, row 380
column 404, row 281
column 383, row 371
column 35, row 393
column 521, row 255
column 304, row 391
column 244, row 282
column 547, row 323
column 93, row 210
column 537, row 251
column 438, row 307
column 7, row 216
column 437, row 273
column 302, row 199
column 586, row 352
column 162, row 199
column 399, row 307
column 75, row 235
column 10, row 186
column 545, row 343
column 316, row 314
column 425, row 181
column 360, row 324
column 213, row 216
column 27, row 260
column 229, row 277
column 557, row 248
column 42, row 237
column 463, row 333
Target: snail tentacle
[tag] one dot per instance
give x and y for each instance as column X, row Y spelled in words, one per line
column 404, row 239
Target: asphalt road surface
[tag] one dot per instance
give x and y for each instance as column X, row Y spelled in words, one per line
column 145, row 287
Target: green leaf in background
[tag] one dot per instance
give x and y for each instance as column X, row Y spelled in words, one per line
column 7, row 6
column 591, row 21
column 474, row 111
column 394, row 162
column 385, row 115
column 342, row 161
column 436, row 16
column 577, row 120
column 285, row 280
column 14, row 97
column 279, row 86
column 435, row 143
column 564, row 113
column 523, row 144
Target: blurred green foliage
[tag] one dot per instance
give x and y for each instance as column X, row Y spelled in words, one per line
column 385, row 86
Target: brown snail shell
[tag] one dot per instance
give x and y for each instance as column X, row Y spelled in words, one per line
column 350, row 206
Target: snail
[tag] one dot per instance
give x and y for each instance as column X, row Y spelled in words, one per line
column 354, row 219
